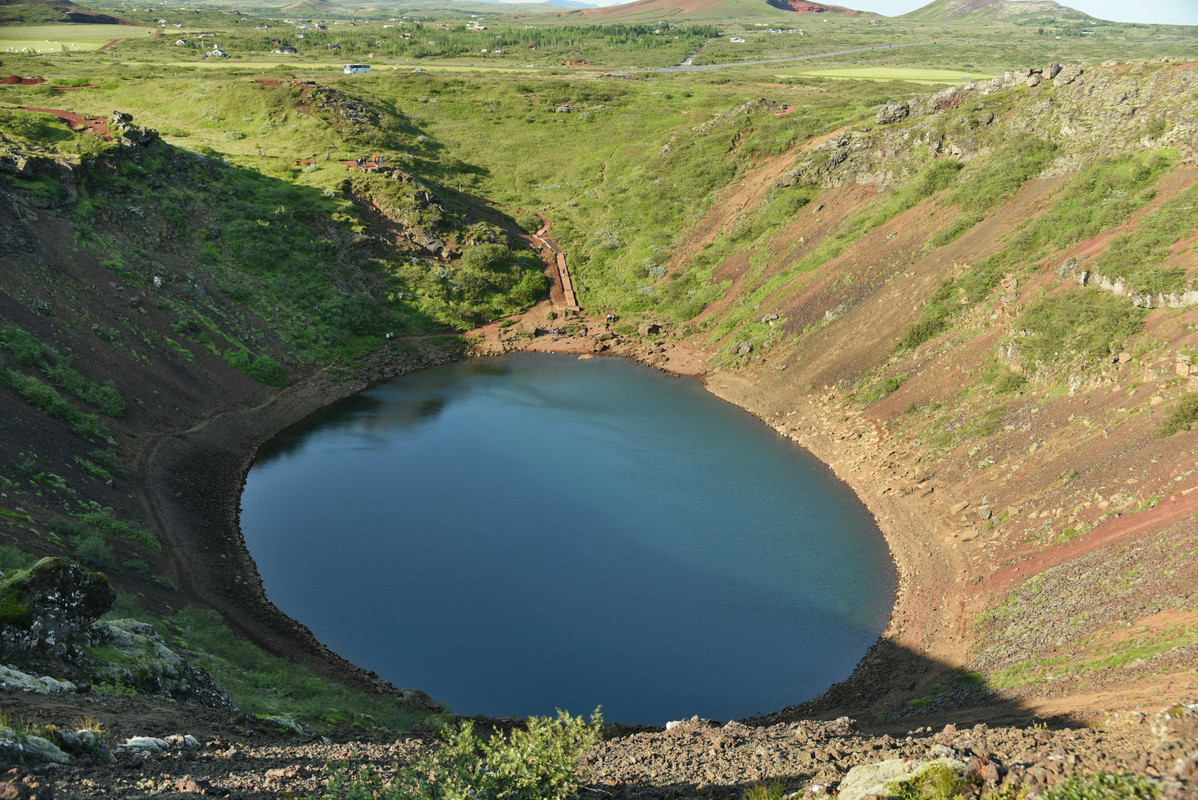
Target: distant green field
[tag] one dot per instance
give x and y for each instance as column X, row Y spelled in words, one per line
column 912, row 75
column 64, row 38
column 233, row 63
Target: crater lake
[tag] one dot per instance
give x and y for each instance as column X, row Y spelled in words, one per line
column 519, row 534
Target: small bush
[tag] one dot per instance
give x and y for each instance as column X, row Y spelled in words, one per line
column 927, row 327
column 954, row 230
column 1104, row 786
column 265, row 369
column 12, row 558
column 1002, row 173
column 29, row 352
column 130, row 531
column 96, row 471
column 91, row 551
column 937, row 782
column 764, row 791
column 1181, row 416
column 538, row 763
column 51, row 403
column 24, row 346
column 883, row 388
column 1061, row 327
column 101, row 523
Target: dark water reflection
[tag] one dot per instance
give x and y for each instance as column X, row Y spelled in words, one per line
column 534, row 532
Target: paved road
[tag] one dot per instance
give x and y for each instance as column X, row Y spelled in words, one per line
column 782, row 60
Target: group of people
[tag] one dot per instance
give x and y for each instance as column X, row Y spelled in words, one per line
column 374, row 159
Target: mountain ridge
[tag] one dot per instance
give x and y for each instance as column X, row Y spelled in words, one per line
column 991, row 10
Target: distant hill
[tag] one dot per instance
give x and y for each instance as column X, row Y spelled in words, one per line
column 992, row 10
column 313, row 8
column 710, row 8
column 804, row 7
column 374, row 8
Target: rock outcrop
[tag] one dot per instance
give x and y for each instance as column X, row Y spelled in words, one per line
column 136, row 656
column 1086, row 111
column 43, row 607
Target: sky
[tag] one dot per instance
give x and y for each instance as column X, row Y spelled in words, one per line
column 1170, row 12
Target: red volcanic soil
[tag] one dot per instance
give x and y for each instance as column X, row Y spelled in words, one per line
column 78, row 123
column 800, row 7
column 14, row 80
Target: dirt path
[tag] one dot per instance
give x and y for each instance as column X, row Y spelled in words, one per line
column 563, row 290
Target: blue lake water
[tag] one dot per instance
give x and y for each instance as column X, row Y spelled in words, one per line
column 518, row 534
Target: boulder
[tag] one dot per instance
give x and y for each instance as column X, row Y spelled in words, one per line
column 15, row 679
column 29, row 749
column 417, row 698
column 893, row 112
column 144, row 744
column 884, row 778
column 1068, row 75
column 44, row 606
column 130, row 653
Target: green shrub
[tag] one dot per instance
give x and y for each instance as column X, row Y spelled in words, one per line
column 538, row 763
column 1002, row 173
column 108, row 460
column 24, row 346
column 1062, row 327
column 12, row 558
column 1005, row 380
column 764, row 791
column 937, row 782
column 882, row 388
column 265, row 369
column 1182, row 415
column 1104, row 786
column 29, row 352
column 934, row 320
column 91, row 551
column 1137, row 257
column 102, row 523
column 51, row 403
column 89, row 467
column 954, row 230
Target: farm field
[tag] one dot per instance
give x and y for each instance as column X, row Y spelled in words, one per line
column 65, row 38
column 909, row 74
